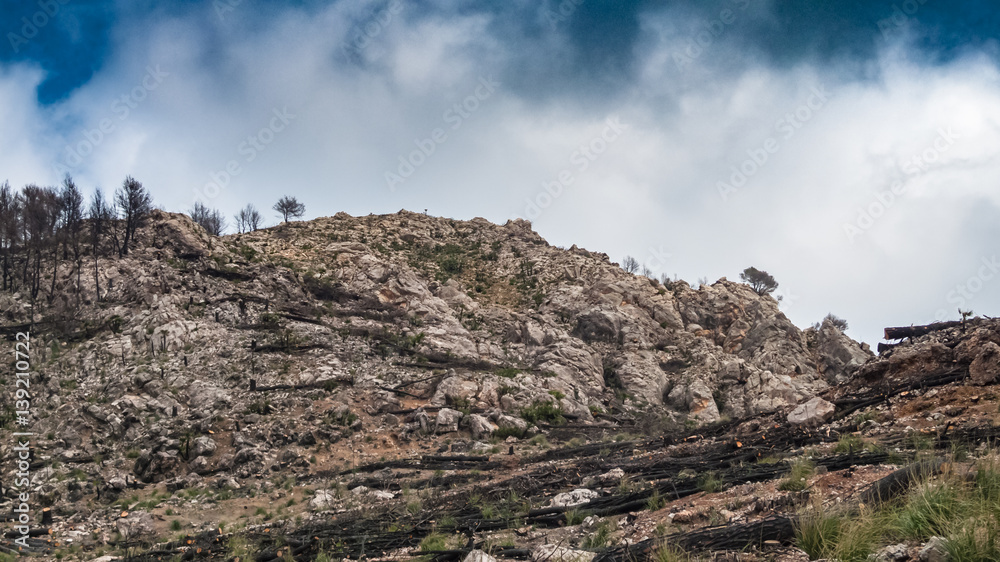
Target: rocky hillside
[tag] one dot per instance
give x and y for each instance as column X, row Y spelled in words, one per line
column 223, row 388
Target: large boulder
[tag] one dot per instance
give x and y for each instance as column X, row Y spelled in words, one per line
column 135, row 525
column 203, row 446
column 447, row 420
column 177, row 233
column 479, row 426
column 455, row 390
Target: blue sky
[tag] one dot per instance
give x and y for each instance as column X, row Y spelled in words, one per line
column 850, row 148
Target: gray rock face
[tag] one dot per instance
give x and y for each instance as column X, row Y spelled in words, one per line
column 839, row 355
column 814, row 412
column 985, row 368
column 136, row 524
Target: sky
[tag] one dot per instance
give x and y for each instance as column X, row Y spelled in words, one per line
column 851, row 148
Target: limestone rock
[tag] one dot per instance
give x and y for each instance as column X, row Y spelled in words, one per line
column 813, row 413
column 985, row 369
column 447, row 420
column 203, row 446
column 576, row 497
column 322, row 500
column 893, row 553
column 136, row 524
column 455, row 390
column 840, row 356
column 556, row 553
column 479, row 426
column 935, row 550
column 519, row 424
column 478, row 556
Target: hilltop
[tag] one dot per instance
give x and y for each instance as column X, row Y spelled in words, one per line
column 455, row 376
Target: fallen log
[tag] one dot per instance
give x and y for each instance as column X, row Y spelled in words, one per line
column 884, row 347
column 452, row 458
column 893, row 485
column 37, row 532
column 917, row 331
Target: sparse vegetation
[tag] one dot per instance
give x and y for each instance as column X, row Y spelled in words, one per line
column 798, row 477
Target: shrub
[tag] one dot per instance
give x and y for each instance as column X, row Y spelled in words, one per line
column 655, row 501
column 508, row 373
column 601, row 536
column 838, row 322
column 575, row 517
column 710, row 483
column 852, row 443
column 434, row 542
column 798, row 476
column 505, row 432
column 543, row 411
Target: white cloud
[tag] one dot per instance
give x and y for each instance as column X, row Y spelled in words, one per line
column 654, row 187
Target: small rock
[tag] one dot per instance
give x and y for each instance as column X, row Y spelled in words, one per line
column 479, row 556
column 893, row 553
column 556, row 553
column 375, row 494
column 936, row 550
column 683, row 516
column 576, row 497
column 612, row 476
